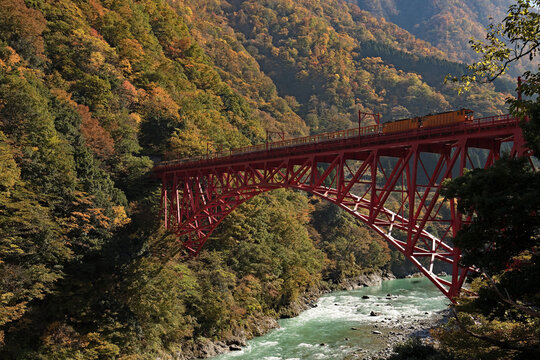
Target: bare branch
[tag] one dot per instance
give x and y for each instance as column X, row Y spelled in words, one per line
column 515, row 58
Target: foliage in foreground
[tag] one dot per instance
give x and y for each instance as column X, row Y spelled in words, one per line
column 90, row 91
column 502, row 240
column 414, row 349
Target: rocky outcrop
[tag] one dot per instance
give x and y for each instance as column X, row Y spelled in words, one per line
column 205, row 348
column 369, row 279
column 306, row 301
column 395, row 332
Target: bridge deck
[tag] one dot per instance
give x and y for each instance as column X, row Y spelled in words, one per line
column 383, row 180
column 480, row 133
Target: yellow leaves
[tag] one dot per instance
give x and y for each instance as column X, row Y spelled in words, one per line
column 8, row 312
column 136, row 118
column 11, row 59
column 6, row 297
column 161, row 102
column 10, row 248
column 86, row 217
column 64, row 96
column 125, row 66
column 131, row 49
column 96, row 60
column 98, row 348
column 9, row 171
column 120, row 217
column 64, row 341
column 101, row 51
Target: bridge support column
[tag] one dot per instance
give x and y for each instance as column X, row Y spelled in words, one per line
column 365, row 176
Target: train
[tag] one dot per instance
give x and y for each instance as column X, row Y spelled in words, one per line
column 428, row 121
column 411, row 124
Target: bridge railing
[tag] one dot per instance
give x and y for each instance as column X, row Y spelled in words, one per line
column 324, row 137
column 494, row 119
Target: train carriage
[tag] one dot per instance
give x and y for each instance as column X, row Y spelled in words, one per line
column 447, row 118
column 428, row 121
column 400, row 125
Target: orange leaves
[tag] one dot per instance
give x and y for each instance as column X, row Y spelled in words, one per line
column 87, row 221
column 97, row 8
column 87, row 217
column 120, row 217
column 178, row 47
column 10, row 313
column 130, row 94
column 22, row 23
column 60, row 337
column 11, row 59
column 161, row 102
column 97, row 138
column 131, row 49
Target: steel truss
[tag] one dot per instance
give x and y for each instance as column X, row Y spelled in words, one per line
column 389, row 182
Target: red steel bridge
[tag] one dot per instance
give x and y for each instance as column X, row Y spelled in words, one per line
column 390, row 182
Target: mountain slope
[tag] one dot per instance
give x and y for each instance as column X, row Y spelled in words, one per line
column 448, row 25
column 91, row 91
column 331, row 58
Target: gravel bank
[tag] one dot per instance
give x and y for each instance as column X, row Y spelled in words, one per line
column 393, row 332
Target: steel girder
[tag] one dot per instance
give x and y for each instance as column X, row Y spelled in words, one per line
column 392, row 186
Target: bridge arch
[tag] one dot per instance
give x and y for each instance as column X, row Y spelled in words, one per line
column 388, row 182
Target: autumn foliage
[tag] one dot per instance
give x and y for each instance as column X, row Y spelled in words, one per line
column 92, row 93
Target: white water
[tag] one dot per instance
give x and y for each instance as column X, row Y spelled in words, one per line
column 325, row 332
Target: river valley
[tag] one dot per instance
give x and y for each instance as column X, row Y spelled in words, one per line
column 342, row 325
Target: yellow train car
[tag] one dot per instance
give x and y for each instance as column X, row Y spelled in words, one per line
column 400, row 125
column 447, row 118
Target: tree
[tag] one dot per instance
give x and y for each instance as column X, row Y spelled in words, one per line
column 21, row 28
column 502, row 240
column 517, row 37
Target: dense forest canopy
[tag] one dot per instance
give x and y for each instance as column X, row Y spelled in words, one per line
column 447, row 25
column 93, row 92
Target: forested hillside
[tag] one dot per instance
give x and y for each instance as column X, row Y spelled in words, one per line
column 93, row 92
column 447, row 25
column 329, row 58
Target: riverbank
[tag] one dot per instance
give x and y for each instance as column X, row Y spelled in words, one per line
column 352, row 324
column 394, row 332
column 206, row 348
column 386, row 331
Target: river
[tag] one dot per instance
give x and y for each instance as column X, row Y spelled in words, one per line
column 341, row 325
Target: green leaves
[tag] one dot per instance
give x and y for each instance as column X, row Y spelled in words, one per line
column 350, row 247
column 502, row 201
column 517, row 37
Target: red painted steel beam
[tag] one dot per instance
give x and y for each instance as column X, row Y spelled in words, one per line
column 198, row 195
